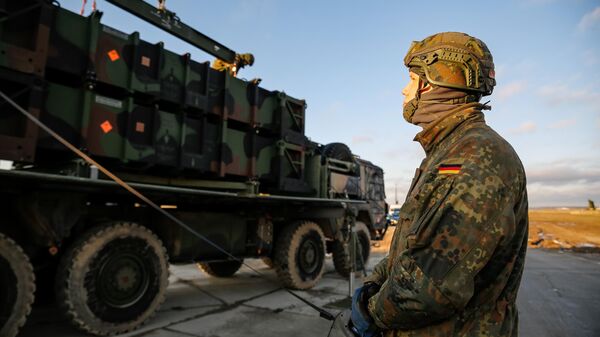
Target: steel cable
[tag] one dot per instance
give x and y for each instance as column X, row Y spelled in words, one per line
column 322, row 312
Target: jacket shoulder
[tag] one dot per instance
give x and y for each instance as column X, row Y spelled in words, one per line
column 485, row 153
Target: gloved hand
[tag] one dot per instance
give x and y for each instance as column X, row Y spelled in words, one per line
column 362, row 323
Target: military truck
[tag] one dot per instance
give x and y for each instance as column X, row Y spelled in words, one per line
column 224, row 156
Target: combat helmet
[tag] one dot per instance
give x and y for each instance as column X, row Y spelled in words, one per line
column 454, row 60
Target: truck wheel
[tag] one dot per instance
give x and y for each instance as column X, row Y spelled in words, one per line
column 299, row 257
column 113, row 278
column 341, row 250
column 17, row 285
column 339, row 151
column 221, row 268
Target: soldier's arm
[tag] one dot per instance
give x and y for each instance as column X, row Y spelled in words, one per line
column 452, row 238
column 379, row 274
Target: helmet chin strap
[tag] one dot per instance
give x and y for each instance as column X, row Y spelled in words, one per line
column 411, row 106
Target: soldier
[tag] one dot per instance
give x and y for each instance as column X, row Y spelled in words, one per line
column 456, row 259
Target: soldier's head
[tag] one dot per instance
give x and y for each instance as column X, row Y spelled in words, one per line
column 457, row 62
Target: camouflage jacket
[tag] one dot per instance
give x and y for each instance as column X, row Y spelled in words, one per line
column 457, row 255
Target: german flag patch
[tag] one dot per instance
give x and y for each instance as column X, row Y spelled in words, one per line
column 449, row 169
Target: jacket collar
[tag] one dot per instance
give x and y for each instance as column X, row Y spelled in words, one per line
column 439, row 130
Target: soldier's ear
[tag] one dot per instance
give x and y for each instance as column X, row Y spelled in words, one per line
column 424, row 86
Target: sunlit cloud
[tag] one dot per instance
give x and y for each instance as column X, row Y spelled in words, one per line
column 361, row 139
column 564, row 171
column 565, row 123
column 571, row 194
column 568, row 182
column 510, row 89
column 526, row 127
column 590, row 19
column 556, row 94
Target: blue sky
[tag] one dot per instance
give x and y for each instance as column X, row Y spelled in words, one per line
column 345, row 59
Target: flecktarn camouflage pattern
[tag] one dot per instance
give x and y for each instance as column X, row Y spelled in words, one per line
column 454, row 60
column 457, row 255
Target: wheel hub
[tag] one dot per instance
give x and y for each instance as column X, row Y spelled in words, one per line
column 308, row 256
column 126, row 278
column 122, row 279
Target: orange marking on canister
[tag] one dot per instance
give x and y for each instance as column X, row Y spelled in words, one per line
column 113, row 55
column 145, row 61
column 106, row 126
column 53, row 250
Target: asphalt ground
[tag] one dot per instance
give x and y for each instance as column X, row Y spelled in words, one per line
column 559, row 296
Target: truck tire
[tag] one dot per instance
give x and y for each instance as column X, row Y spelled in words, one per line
column 299, row 257
column 341, row 250
column 17, row 286
column 113, row 278
column 339, row 151
column 220, row 268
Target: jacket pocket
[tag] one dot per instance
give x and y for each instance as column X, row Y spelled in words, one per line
column 431, row 209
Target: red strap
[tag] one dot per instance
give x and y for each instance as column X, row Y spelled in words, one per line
column 82, row 7
column 82, row 11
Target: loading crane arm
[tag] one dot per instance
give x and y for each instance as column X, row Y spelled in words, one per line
column 169, row 22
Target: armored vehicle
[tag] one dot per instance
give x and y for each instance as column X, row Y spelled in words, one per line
column 87, row 109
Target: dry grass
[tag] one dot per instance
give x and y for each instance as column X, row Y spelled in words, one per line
column 548, row 228
column 561, row 228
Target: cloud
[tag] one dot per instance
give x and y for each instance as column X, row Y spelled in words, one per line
column 572, row 194
column 526, row 127
column 556, row 174
column 556, row 94
column 590, row 19
column 510, row 89
column 361, row 139
column 567, row 182
column 396, row 188
column 565, row 123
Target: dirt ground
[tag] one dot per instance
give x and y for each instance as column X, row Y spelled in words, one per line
column 575, row 229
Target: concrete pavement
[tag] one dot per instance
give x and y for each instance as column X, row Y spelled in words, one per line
column 559, row 296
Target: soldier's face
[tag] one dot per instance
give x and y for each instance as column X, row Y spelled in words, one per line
column 410, row 90
column 414, row 85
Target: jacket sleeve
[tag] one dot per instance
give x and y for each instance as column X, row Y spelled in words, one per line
column 458, row 222
column 379, row 274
